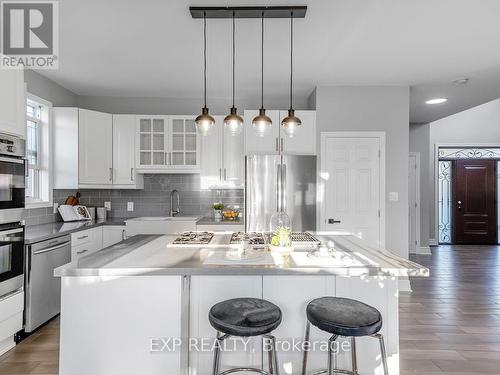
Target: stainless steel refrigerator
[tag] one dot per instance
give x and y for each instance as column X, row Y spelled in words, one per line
column 280, row 183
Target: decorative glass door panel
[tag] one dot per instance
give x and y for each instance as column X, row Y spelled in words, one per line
column 152, row 141
column 184, row 142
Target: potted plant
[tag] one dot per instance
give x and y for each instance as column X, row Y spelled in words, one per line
column 218, row 207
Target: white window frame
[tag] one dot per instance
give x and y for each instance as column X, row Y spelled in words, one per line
column 45, row 180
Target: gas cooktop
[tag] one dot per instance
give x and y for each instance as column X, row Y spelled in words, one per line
column 253, row 238
column 194, row 238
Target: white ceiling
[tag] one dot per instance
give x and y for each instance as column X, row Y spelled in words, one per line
column 152, row 48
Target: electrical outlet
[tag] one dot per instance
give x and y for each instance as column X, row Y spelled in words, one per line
column 56, row 206
column 130, row 206
column 107, row 205
column 393, row 196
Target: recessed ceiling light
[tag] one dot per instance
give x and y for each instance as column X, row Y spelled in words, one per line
column 436, row 101
column 461, row 81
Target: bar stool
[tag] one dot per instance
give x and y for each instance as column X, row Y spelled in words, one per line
column 245, row 317
column 343, row 317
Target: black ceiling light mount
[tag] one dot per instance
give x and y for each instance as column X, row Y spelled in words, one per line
column 299, row 11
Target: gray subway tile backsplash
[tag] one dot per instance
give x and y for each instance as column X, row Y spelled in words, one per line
column 153, row 200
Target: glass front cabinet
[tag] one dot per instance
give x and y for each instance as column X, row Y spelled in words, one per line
column 167, row 144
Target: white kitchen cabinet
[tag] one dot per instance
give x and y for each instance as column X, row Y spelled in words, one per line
column 124, row 170
column 11, row 319
column 276, row 141
column 206, row 291
column 222, row 158
column 78, row 149
column 95, row 148
column 13, row 102
column 85, row 242
column 304, row 140
column 167, row 144
column 65, row 147
column 269, row 143
column 112, row 234
column 277, row 289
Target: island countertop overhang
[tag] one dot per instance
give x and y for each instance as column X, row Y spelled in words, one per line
column 149, row 255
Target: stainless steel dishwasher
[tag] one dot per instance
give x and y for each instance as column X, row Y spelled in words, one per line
column 43, row 290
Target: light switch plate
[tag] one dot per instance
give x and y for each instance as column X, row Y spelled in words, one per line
column 393, row 196
column 107, row 205
column 130, row 206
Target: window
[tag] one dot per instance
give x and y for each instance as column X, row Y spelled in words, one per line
column 38, row 189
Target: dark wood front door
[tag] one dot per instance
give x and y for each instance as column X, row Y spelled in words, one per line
column 474, row 204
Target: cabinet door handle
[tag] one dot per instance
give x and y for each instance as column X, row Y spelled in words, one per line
column 110, row 174
column 220, row 174
column 82, row 237
column 225, row 175
column 281, row 144
column 277, row 147
column 81, row 252
column 131, row 174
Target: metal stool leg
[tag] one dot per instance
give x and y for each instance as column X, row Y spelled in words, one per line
column 274, row 355
column 383, row 353
column 332, row 356
column 217, row 352
column 270, row 358
column 353, row 356
column 306, row 348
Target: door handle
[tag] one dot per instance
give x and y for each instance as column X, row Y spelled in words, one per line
column 278, row 190
column 459, row 203
column 220, row 174
column 131, row 174
column 51, row 248
column 225, row 174
column 281, row 144
column 277, row 147
column 81, row 252
column 110, row 174
column 333, row 221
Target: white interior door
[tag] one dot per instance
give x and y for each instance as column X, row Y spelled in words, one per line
column 352, row 173
column 413, row 203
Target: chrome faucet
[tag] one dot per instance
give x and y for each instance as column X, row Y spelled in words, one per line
column 178, row 210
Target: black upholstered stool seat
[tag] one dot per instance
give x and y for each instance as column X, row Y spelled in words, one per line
column 245, row 317
column 344, row 316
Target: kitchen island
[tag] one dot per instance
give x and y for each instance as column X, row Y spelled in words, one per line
column 141, row 306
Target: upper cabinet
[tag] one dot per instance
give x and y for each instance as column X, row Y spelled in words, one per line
column 13, row 102
column 275, row 141
column 222, row 158
column 267, row 144
column 167, row 144
column 94, row 150
column 304, row 140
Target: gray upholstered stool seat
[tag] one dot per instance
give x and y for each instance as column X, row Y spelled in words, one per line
column 245, row 317
column 344, row 316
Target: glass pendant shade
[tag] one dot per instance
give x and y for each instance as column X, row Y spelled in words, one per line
column 204, row 122
column 290, row 123
column 262, row 123
column 233, row 122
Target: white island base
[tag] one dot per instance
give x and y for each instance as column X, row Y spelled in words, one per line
column 120, row 325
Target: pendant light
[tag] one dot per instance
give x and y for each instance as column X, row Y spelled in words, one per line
column 262, row 123
column 233, row 121
column 291, row 122
column 204, row 122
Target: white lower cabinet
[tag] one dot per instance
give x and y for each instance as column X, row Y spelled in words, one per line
column 206, row 291
column 11, row 319
column 278, row 290
column 112, row 234
column 85, row 242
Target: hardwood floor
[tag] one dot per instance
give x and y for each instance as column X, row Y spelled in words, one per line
column 450, row 324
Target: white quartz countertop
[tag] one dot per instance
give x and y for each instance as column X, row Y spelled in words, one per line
column 155, row 255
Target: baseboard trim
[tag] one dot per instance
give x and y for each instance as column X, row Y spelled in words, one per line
column 7, row 344
column 404, row 285
column 424, row 250
column 433, row 242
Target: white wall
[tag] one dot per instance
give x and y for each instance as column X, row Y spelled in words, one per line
column 49, row 90
column 375, row 109
column 476, row 126
column 420, row 142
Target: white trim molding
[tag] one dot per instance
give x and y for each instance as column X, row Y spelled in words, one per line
column 404, row 285
column 424, row 250
column 433, row 242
